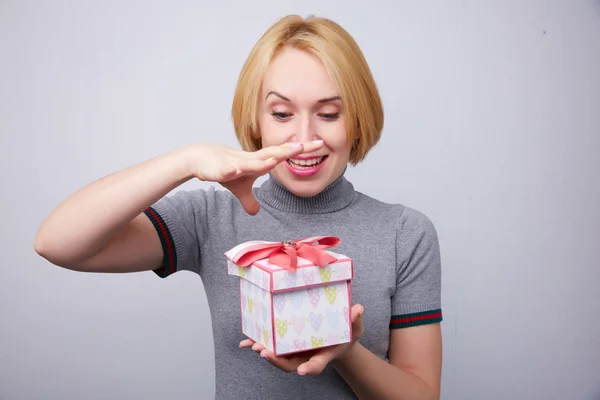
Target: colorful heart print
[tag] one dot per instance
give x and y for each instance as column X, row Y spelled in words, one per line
column 290, row 279
column 308, row 276
column 264, row 311
column 347, row 315
column 244, row 301
column 296, row 299
column 298, row 323
column 281, row 326
column 265, row 334
column 279, row 301
column 299, row 345
column 314, row 296
column 250, row 305
column 257, row 330
column 264, row 281
column 330, row 294
column 325, row 274
column 316, row 342
column 315, row 320
column 332, row 318
column 257, row 312
column 242, row 271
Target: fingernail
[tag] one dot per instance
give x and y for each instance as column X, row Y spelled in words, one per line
column 266, row 358
column 270, row 159
column 361, row 312
column 295, row 144
column 301, row 373
column 317, row 141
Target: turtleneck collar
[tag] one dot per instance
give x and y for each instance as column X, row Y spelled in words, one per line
column 339, row 194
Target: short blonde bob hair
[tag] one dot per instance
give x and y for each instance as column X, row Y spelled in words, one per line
column 343, row 59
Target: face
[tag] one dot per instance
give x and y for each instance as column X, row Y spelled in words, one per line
column 300, row 102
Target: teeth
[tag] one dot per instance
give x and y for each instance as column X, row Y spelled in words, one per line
column 306, row 163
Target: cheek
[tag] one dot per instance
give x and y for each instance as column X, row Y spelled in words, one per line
column 273, row 133
column 335, row 136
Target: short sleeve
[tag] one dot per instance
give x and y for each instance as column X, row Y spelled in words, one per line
column 417, row 298
column 179, row 220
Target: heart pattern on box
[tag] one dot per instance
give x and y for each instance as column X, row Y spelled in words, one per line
column 314, row 296
column 298, row 319
column 316, row 342
column 330, row 294
column 315, row 320
column 279, row 301
column 298, row 323
column 325, row 274
column 296, row 300
column 264, row 311
column 299, row 345
column 290, row 279
column 281, row 326
column 308, row 276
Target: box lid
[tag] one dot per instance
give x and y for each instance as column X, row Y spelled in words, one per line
column 277, row 278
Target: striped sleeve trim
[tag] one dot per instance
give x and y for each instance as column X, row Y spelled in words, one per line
column 166, row 240
column 415, row 319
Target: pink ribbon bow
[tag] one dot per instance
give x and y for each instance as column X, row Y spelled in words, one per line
column 285, row 254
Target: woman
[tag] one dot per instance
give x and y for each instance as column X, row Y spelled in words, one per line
column 306, row 105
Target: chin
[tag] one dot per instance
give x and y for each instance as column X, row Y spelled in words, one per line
column 303, row 186
column 305, row 189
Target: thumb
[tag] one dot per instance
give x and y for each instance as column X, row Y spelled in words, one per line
column 246, row 198
column 356, row 314
column 316, row 364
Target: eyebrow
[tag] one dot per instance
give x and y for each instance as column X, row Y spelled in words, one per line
column 282, row 97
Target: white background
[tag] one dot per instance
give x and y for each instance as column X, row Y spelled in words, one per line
column 492, row 130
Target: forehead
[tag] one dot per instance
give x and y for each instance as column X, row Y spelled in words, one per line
column 299, row 75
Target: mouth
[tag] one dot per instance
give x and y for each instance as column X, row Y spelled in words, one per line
column 305, row 166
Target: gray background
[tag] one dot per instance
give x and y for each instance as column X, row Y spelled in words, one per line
column 492, row 129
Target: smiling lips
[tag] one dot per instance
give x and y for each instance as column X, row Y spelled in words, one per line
column 305, row 166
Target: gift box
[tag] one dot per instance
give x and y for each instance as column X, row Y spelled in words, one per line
column 294, row 295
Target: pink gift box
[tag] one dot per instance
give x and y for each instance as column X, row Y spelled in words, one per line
column 294, row 296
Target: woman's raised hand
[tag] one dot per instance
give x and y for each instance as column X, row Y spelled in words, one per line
column 237, row 170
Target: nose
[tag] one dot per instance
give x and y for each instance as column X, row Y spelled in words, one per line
column 306, row 129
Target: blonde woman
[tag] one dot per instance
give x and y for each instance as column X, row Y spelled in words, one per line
column 306, row 105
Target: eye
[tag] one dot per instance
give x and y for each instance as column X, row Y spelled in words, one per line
column 281, row 116
column 329, row 117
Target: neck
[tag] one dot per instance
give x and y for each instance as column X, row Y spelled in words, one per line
column 337, row 195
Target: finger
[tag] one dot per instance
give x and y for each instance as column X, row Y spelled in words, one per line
column 356, row 315
column 316, row 364
column 244, row 344
column 255, row 166
column 287, row 364
column 247, row 199
column 356, row 312
column 228, row 172
column 258, row 347
column 309, row 147
column 281, row 152
column 288, row 150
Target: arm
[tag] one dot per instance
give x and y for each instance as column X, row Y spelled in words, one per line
column 102, row 228
column 414, row 370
